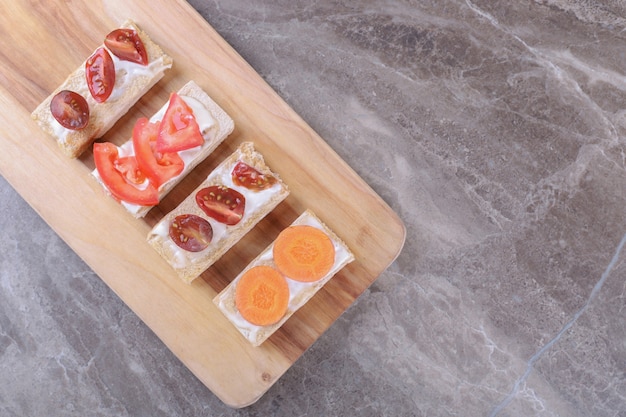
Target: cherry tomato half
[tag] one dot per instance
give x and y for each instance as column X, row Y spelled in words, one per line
column 100, row 74
column 70, row 109
column 247, row 176
column 119, row 179
column 191, row 232
column 179, row 128
column 222, row 203
column 127, row 45
column 159, row 167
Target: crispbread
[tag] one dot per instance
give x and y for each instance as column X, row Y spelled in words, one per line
column 300, row 292
column 213, row 137
column 190, row 265
column 102, row 115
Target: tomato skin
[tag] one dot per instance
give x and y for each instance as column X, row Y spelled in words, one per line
column 105, row 157
column 246, row 176
column 128, row 167
column 126, row 44
column 222, row 203
column 158, row 167
column 70, row 109
column 190, row 232
column 179, row 128
column 100, row 75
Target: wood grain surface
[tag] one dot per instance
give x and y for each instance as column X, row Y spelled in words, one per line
column 41, row 43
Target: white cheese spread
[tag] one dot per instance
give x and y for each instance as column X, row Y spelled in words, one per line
column 206, row 123
column 299, row 292
column 126, row 73
column 255, row 201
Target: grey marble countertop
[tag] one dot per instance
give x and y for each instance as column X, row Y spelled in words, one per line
column 495, row 129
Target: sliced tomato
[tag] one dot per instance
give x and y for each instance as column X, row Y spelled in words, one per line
column 222, row 203
column 191, row 232
column 70, row 109
column 114, row 174
column 127, row 45
column 249, row 177
column 100, row 74
column 159, row 167
column 128, row 167
column 179, row 128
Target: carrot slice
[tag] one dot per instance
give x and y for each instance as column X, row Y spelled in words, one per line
column 304, row 253
column 262, row 295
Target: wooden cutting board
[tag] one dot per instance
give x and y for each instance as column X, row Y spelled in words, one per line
column 41, row 42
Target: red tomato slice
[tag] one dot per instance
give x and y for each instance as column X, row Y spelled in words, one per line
column 100, row 75
column 159, row 167
column 191, row 232
column 179, row 128
column 222, row 203
column 107, row 160
column 70, row 109
column 128, row 167
column 127, row 45
column 249, row 177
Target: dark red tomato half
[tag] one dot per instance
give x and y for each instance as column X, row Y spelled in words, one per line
column 100, row 75
column 249, row 177
column 127, row 45
column 222, row 203
column 70, row 109
column 190, row 232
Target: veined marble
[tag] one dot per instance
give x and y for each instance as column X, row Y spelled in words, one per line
column 495, row 129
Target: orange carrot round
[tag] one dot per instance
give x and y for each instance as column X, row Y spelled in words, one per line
column 304, row 253
column 262, row 295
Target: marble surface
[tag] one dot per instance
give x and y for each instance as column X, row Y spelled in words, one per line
column 494, row 128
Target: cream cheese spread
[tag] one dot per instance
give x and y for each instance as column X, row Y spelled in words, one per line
column 206, row 123
column 299, row 292
column 255, row 201
column 126, row 73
